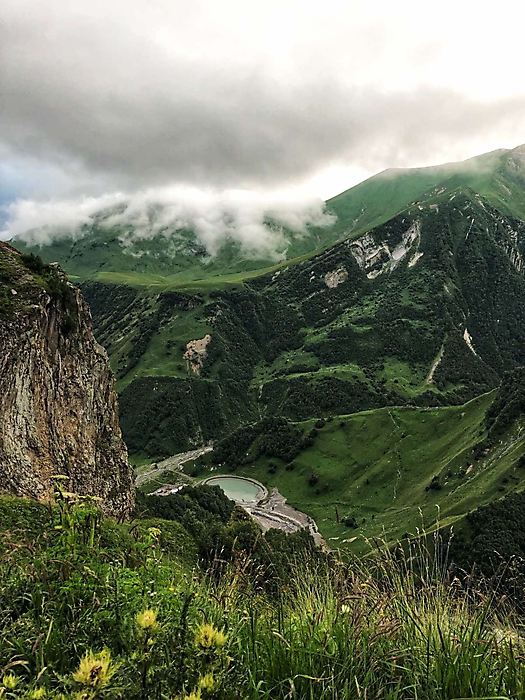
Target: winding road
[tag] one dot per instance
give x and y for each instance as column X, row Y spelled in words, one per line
column 171, row 464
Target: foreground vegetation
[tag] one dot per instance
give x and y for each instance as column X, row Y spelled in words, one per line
column 93, row 609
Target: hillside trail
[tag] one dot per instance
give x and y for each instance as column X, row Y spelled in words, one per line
column 435, row 365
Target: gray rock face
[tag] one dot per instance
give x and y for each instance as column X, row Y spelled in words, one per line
column 58, row 407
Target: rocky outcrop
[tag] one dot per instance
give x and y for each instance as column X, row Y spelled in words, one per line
column 196, row 353
column 336, row 277
column 376, row 257
column 58, row 407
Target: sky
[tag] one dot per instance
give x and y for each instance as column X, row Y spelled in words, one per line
column 262, row 101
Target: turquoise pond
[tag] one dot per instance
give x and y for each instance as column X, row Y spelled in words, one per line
column 237, row 488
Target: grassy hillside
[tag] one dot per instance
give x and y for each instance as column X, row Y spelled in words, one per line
column 385, row 472
column 426, row 309
column 499, row 176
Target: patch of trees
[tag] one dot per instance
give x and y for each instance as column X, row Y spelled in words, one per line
column 302, row 398
column 491, row 543
column 274, row 327
column 509, row 403
column 435, row 484
column 161, row 416
column 180, row 300
column 303, row 287
column 204, row 502
column 459, row 365
column 507, row 407
column 109, row 304
column 494, row 292
column 222, row 531
column 273, row 437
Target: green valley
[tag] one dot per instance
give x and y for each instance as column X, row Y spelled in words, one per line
column 393, row 325
column 381, row 474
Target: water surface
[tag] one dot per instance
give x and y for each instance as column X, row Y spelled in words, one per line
column 237, row 488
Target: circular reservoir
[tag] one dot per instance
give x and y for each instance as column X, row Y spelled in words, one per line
column 239, row 489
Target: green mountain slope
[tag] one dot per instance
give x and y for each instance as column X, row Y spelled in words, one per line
column 499, row 176
column 177, row 257
column 385, row 472
column 427, row 309
column 403, row 317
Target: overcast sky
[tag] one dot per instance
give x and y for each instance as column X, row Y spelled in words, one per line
column 299, row 96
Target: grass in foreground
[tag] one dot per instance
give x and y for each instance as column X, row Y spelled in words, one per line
column 95, row 610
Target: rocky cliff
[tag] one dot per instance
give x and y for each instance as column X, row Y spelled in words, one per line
column 58, row 407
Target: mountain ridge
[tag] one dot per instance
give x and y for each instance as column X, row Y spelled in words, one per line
column 360, row 208
column 425, row 308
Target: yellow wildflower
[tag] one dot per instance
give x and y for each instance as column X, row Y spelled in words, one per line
column 95, row 670
column 171, row 589
column 154, row 532
column 195, row 695
column 207, row 682
column 10, row 681
column 147, row 620
column 207, row 637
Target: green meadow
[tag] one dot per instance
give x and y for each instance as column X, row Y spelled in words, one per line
column 393, row 471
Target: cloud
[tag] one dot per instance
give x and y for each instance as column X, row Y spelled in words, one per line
column 238, row 95
column 261, row 223
column 42, row 222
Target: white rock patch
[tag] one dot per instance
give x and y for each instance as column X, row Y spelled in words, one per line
column 468, row 340
column 413, row 260
column 368, row 252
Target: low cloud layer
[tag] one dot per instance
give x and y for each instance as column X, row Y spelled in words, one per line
column 262, row 224
column 140, row 94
